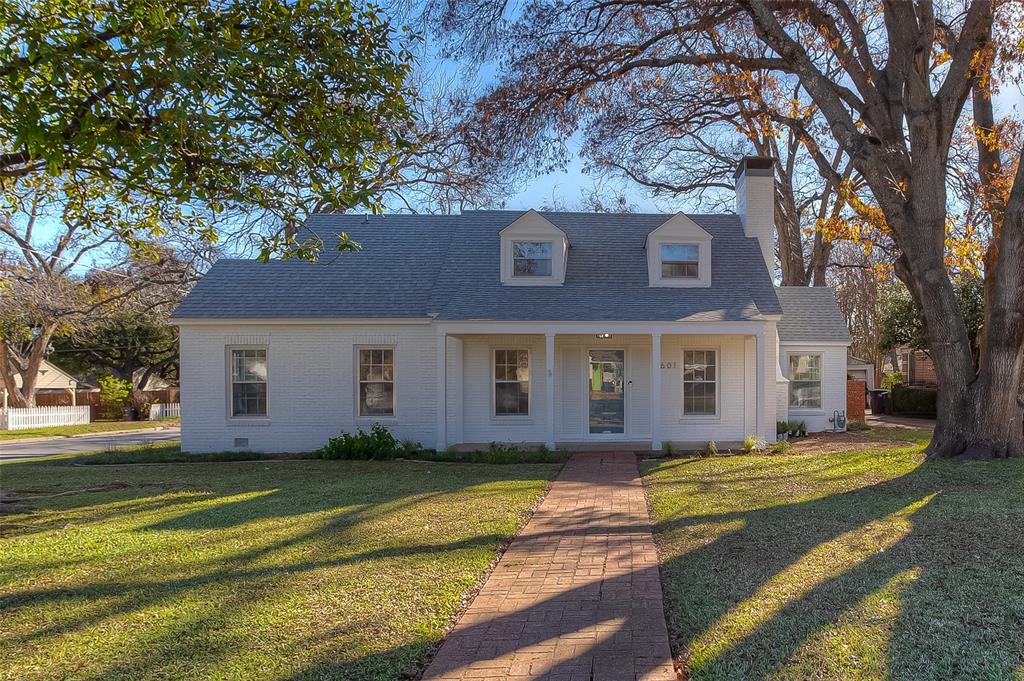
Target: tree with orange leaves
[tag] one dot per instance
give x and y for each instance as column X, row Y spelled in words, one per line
column 889, row 83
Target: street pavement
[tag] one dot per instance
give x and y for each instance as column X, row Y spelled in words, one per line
column 19, row 450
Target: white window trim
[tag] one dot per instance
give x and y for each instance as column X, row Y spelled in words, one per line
column 661, row 260
column 700, row 418
column 515, row 418
column 549, row 242
column 821, row 382
column 230, row 384
column 703, row 278
column 360, row 418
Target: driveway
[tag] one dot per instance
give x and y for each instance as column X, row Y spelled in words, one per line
column 905, row 422
column 14, row 451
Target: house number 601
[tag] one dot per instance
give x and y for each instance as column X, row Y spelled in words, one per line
column 668, row 365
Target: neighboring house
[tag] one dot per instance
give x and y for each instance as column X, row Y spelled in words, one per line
column 51, row 380
column 858, row 369
column 917, row 367
column 555, row 327
column 861, row 370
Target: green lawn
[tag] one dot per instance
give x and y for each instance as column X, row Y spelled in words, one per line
column 862, row 565
column 246, row 570
column 95, row 427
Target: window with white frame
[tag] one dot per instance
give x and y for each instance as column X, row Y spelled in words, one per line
column 376, row 381
column 700, row 382
column 511, row 382
column 680, row 261
column 248, row 382
column 531, row 258
column 805, row 381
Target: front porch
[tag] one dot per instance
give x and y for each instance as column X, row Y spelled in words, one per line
column 606, row 385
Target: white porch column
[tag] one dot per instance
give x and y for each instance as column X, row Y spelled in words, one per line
column 455, row 397
column 549, row 386
column 760, row 408
column 442, row 391
column 655, row 391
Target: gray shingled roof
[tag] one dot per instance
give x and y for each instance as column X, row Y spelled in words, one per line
column 810, row 314
column 448, row 267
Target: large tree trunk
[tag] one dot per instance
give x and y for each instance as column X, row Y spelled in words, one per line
column 820, row 255
column 27, row 366
column 984, row 420
column 980, row 413
column 787, row 226
column 996, row 398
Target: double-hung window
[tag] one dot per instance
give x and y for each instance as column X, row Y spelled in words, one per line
column 700, row 382
column 248, row 382
column 531, row 258
column 680, row 261
column 805, row 381
column 511, row 382
column 376, row 381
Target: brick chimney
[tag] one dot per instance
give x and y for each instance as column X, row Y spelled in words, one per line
column 755, row 203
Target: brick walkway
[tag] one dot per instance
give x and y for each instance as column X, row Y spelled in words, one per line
column 577, row 596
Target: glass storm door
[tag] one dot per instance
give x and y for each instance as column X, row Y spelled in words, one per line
column 606, row 388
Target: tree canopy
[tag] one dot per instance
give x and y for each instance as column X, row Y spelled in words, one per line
column 149, row 115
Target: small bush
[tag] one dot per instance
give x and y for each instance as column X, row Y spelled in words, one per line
column 141, row 403
column 114, row 394
column 801, row 428
column 780, row 447
column 710, row 449
column 506, row 452
column 753, row 444
column 781, row 427
column 908, row 401
column 379, row 444
column 891, row 380
column 857, row 425
column 497, row 453
column 666, row 449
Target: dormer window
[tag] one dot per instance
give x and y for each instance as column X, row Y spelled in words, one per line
column 680, row 261
column 679, row 254
column 531, row 258
column 533, row 252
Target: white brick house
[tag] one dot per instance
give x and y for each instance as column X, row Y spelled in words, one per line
column 556, row 328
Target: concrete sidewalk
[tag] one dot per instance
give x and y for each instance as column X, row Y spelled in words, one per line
column 577, row 596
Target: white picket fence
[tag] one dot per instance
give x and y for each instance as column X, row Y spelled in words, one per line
column 171, row 410
column 44, row 417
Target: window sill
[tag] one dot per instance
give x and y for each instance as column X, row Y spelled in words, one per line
column 533, row 281
column 376, row 419
column 512, row 420
column 701, row 419
column 241, row 421
column 809, row 411
column 681, row 283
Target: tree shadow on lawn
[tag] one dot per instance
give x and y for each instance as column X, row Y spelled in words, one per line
column 335, row 510
column 878, row 581
column 916, row 577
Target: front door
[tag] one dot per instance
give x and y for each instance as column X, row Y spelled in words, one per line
column 606, row 381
